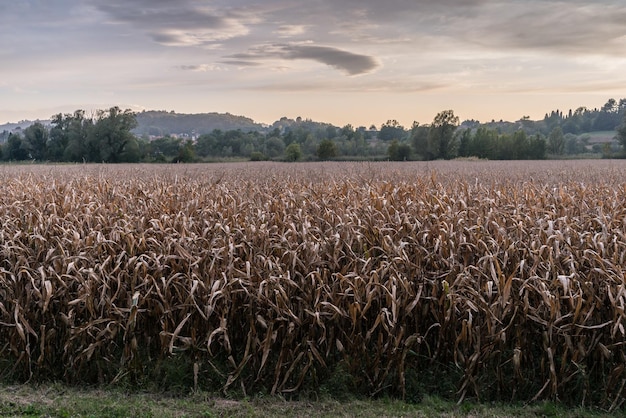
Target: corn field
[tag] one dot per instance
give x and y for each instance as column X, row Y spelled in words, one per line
column 506, row 280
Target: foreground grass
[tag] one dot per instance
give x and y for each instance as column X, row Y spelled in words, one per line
column 62, row 401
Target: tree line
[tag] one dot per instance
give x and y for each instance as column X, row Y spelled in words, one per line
column 104, row 136
column 107, row 136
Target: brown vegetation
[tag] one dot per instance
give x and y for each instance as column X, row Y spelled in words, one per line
column 393, row 277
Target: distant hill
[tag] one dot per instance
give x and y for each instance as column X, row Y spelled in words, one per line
column 10, row 127
column 159, row 123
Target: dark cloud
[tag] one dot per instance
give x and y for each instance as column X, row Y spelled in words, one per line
column 241, row 63
column 177, row 23
column 348, row 62
column 558, row 26
column 165, row 15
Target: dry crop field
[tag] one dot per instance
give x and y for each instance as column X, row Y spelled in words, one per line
column 492, row 280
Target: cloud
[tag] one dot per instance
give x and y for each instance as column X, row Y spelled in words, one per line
column 241, row 63
column 199, row 67
column 403, row 87
column 552, row 26
column 287, row 31
column 546, row 26
column 348, row 62
column 451, row 47
column 180, row 23
column 559, row 27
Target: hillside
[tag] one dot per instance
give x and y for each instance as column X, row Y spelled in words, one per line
column 11, row 126
column 158, row 123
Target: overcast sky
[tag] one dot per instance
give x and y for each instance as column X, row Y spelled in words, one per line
column 341, row 61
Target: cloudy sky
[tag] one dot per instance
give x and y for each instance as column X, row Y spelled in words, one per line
column 341, row 61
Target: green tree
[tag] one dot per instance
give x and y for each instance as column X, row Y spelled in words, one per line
column 257, row 156
column 484, row 143
column 330, row 132
column 326, row 149
column 309, row 146
column 162, row 149
column 134, row 151
column 556, row 141
column 274, row 147
column 206, row 144
column 621, row 132
column 186, row 153
column 112, row 132
column 441, row 138
column 36, row 139
column 15, row 148
column 293, row 152
column 69, row 137
column 391, row 130
column 398, row 152
column 419, row 140
column 519, row 145
column 537, row 147
column 573, row 145
column 348, row 132
column 465, row 143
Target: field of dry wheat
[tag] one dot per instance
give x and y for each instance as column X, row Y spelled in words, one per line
column 502, row 280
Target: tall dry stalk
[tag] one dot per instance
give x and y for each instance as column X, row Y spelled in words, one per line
column 277, row 276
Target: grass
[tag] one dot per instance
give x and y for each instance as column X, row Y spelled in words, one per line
column 62, row 401
column 599, row 136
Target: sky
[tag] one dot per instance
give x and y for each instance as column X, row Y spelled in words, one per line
column 358, row 62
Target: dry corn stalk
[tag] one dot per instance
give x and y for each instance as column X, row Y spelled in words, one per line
column 274, row 275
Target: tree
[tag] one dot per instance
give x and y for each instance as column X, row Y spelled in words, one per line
column 257, row 156
column 419, row 140
column 537, row 148
column 36, row 140
column 398, row 152
column 348, row 132
column 330, row 132
column 610, row 106
column 205, row 144
column 465, row 143
column 134, row 151
column 293, row 152
column 573, row 145
column 274, row 147
column 441, row 137
column 162, row 148
column 484, row 144
column 556, row 142
column 186, row 153
column 15, row 148
column 519, row 145
column 326, row 149
column 112, row 131
column 68, row 138
column 391, row 130
column 621, row 132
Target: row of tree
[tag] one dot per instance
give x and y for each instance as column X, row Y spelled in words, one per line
column 581, row 120
column 106, row 136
